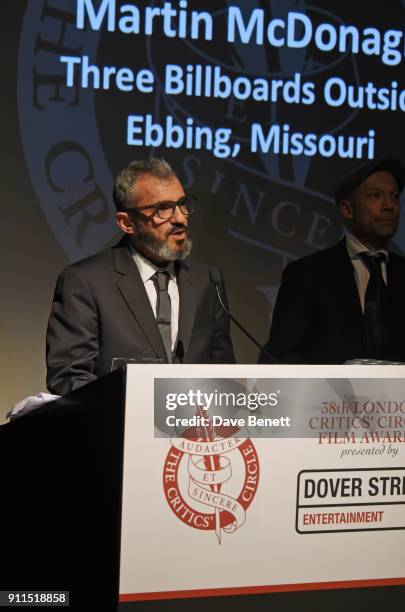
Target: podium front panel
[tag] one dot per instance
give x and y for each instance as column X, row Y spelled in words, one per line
column 233, row 507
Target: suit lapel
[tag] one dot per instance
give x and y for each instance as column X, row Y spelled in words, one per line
column 396, row 279
column 132, row 289
column 188, row 301
column 345, row 281
column 343, row 286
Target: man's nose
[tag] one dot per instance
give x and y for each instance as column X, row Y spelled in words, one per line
column 389, row 201
column 179, row 216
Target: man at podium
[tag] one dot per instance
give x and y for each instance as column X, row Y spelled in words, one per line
column 142, row 299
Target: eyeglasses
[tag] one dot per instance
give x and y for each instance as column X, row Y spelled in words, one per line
column 166, row 210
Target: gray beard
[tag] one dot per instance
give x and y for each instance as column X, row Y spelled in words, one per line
column 160, row 249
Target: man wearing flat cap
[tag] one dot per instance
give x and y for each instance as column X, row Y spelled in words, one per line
column 347, row 302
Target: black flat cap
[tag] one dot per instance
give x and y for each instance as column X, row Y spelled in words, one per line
column 356, row 177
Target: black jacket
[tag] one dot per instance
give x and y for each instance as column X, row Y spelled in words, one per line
column 318, row 317
column 101, row 310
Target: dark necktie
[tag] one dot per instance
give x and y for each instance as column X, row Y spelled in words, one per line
column 164, row 310
column 376, row 309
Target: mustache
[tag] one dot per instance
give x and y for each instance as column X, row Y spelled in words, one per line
column 176, row 228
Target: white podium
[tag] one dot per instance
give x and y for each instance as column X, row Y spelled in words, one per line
column 300, row 486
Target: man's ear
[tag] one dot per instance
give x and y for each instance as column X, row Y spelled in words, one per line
column 346, row 210
column 125, row 222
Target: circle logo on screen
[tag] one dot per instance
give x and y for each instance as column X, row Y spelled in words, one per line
column 61, row 130
column 210, row 478
column 262, row 207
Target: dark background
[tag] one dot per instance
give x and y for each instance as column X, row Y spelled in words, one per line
column 234, row 226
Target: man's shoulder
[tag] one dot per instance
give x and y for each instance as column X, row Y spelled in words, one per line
column 195, row 269
column 397, row 258
column 319, row 259
column 195, row 265
column 396, row 264
column 90, row 264
column 99, row 264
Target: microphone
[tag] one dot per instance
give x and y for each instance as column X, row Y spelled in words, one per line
column 178, row 355
column 216, row 279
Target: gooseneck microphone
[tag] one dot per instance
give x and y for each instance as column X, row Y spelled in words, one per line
column 216, row 279
column 178, row 354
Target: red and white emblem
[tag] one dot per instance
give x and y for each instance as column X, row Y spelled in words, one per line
column 210, row 478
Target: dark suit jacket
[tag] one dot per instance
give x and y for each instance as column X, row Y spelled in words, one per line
column 101, row 310
column 318, row 317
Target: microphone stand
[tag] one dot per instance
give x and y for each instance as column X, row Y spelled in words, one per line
column 215, row 279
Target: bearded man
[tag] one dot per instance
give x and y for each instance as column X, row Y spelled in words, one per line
column 142, row 299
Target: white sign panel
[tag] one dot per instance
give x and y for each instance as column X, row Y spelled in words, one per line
column 212, row 508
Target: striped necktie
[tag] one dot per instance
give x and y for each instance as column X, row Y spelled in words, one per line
column 164, row 310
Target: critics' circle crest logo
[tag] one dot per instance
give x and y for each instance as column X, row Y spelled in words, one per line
column 210, row 480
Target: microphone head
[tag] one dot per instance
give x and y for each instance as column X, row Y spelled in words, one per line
column 180, row 349
column 178, row 355
column 215, row 276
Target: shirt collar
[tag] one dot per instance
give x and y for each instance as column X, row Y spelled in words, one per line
column 146, row 268
column 355, row 246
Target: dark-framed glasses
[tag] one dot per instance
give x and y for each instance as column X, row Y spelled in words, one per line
column 166, row 210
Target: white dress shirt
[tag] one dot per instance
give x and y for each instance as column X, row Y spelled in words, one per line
column 147, row 269
column 361, row 273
